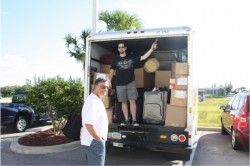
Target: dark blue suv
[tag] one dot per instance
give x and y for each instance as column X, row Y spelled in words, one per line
column 17, row 114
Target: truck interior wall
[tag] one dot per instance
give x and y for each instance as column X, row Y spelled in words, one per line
column 165, row 53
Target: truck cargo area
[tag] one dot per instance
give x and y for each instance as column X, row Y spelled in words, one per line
column 172, row 79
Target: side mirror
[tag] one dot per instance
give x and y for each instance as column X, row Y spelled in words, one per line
column 222, row 108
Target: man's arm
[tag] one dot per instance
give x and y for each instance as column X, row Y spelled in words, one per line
column 92, row 131
column 147, row 54
column 111, row 74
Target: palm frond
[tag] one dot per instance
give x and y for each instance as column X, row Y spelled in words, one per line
column 120, row 20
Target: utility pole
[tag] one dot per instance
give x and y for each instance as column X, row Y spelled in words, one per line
column 95, row 16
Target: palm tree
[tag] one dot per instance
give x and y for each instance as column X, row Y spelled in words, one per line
column 120, row 20
column 117, row 20
column 76, row 48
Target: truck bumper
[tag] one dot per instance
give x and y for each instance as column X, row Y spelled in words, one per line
column 165, row 139
column 154, row 147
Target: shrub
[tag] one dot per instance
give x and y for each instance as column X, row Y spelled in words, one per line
column 58, row 98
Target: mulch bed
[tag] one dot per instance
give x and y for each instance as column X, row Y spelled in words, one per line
column 44, row 138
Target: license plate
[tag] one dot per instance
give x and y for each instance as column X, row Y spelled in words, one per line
column 119, row 145
column 116, row 135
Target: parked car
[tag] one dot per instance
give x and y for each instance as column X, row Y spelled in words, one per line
column 235, row 120
column 18, row 115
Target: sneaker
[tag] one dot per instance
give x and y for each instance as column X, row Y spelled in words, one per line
column 125, row 123
column 134, row 123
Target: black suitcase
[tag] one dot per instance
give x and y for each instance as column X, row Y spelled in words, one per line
column 73, row 127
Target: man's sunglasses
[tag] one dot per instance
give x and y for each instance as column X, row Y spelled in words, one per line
column 104, row 86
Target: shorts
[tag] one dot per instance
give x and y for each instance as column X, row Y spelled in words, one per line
column 127, row 92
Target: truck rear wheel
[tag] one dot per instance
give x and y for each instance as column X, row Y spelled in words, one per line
column 21, row 124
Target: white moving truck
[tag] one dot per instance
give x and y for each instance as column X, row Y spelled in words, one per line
column 178, row 131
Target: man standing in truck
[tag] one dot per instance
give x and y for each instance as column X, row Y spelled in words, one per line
column 125, row 79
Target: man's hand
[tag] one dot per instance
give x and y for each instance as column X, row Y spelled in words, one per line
column 154, row 46
column 99, row 139
column 147, row 54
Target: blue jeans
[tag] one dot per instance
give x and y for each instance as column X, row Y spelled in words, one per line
column 95, row 153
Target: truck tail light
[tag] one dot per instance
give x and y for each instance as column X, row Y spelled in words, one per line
column 182, row 138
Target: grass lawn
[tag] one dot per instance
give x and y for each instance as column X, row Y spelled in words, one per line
column 209, row 111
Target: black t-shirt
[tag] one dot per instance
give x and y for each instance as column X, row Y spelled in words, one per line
column 124, row 67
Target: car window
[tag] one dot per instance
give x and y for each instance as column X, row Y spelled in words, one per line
column 235, row 103
column 19, row 98
column 229, row 104
column 241, row 102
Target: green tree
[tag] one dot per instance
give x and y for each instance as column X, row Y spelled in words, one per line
column 7, row 91
column 228, row 88
column 58, row 98
column 117, row 20
column 222, row 92
column 120, row 20
column 77, row 47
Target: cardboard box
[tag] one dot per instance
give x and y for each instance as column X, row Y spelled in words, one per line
column 98, row 75
column 162, row 78
column 179, row 83
column 110, row 114
column 106, row 101
column 172, row 83
column 143, row 79
column 179, row 69
column 176, row 116
column 105, row 68
column 178, row 98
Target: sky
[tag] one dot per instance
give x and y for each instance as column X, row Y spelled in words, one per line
column 33, row 31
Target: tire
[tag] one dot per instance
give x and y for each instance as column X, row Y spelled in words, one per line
column 235, row 144
column 21, row 124
column 223, row 130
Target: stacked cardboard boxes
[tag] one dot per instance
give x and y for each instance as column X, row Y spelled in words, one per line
column 105, row 68
column 176, row 112
column 144, row 79
column 162, row 78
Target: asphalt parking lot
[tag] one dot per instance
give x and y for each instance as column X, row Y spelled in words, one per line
column 212, row 149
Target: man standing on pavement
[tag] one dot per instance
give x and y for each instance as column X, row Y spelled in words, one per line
column 94, row 129
column 125, row 79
